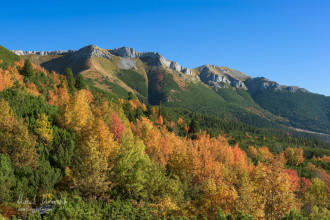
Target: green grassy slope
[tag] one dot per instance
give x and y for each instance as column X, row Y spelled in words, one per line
column 7, row 57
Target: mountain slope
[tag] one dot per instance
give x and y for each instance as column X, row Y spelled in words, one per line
column 7, row 57
column 210, row 89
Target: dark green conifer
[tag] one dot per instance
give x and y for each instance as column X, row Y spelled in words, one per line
column 27, row 69
column 70, row 79
column 80, row 83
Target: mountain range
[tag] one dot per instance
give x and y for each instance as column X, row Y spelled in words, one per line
column 220, row 91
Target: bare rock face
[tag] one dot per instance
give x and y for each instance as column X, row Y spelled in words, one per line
column 238, row 84
column 208, row 76
column 91, row 50
column 152, row 58
column 125, row 52
column 262, row 84
column 219, row 78
column 126, row 63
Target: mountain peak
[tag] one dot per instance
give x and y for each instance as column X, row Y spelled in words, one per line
column 125, row 52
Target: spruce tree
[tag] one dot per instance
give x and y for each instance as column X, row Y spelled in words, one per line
column 27, row 69
column 70, row 79
column 193, row 127
column 80, row 83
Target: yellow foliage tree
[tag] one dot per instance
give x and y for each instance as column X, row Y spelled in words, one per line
column 43, row 128
column 75, row 112
column 274, row 190
column 95, row 148
column 216, row 196
column 293, row 156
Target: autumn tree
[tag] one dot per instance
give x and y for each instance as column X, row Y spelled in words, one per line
column 75, row 112
column 215, row 196
column 117, row 127
column 43, row 128
column 274, row 189
column 91, row 169
column 293, row 156
column 94, row 149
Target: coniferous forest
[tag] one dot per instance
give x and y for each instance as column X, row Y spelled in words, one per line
column 69, row 150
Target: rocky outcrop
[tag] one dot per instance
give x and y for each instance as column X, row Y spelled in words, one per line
column 152, row 58
column 238, row 84
column 125, row 52
column 262, row 84
column 219, row 77
column 89, row 51
column 85, row 52
column 232, row 73
column 213, row 76
column 126, row 63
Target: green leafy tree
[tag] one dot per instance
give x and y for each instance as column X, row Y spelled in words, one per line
column 316, row 198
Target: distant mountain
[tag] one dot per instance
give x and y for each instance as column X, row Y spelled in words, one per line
column 210, row 89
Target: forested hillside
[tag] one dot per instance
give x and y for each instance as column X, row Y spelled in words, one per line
column 70, row 150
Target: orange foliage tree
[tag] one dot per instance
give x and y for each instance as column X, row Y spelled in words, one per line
column 117, row 127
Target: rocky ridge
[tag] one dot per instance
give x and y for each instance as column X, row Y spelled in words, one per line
column 215, row 76
column 153, row 58
column 262, row 84
column 41, row 53
column 220, row 77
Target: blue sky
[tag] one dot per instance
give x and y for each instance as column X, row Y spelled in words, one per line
column 287, row 41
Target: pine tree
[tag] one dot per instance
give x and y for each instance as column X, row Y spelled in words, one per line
column 27, row 69
column 80, row 83
column 70, row 79
column 194, row 127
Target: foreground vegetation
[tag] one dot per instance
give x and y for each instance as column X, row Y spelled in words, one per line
column 90, row 155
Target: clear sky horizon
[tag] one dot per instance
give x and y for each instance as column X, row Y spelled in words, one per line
column 287, row 41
